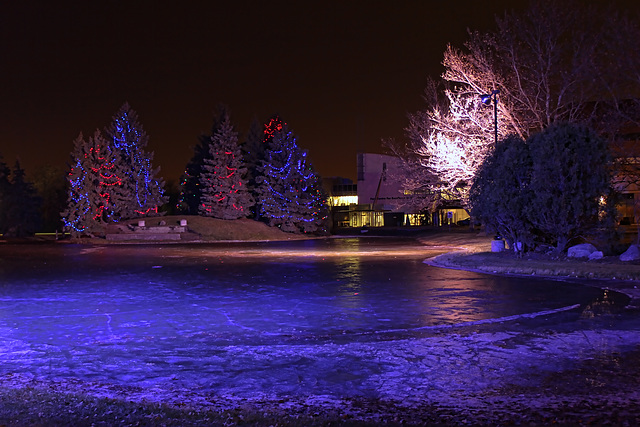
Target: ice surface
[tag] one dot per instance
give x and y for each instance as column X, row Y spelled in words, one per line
column 319, row 321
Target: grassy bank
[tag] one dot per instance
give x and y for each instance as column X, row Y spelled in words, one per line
column 468, row 250
column 540, row 265
column 472, row 251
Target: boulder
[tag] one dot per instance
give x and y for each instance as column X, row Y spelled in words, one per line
column 596, row 255
column 581, row 251
column 631, row 254
column 497, row 245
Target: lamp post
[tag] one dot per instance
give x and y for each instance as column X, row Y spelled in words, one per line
column 486, row 100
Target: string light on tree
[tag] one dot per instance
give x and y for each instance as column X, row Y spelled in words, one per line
column 224, row 193
column 130, row 140
column 289, row 190
column 95, row 186
column 111, row 177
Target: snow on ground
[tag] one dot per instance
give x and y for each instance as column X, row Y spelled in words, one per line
column 468, row 370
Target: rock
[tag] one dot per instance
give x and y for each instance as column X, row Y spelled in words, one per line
column 596, row 255
column 631, row 254
column 518, row 246
column 497, row 245
column 581, row 251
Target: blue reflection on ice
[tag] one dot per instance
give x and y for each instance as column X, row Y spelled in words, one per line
column 260, row 292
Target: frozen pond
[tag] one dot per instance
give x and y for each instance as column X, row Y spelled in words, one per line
column 327, row 320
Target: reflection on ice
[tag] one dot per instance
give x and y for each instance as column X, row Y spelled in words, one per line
column 245, row 298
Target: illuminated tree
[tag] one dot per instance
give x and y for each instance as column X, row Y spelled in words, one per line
column 550, row 64
column 289, row 191
column 97, row 194
column 224, row 191
column 451, row 139
column 144, row 191
column 274, row 125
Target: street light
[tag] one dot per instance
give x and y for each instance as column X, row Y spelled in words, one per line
column 486, row 100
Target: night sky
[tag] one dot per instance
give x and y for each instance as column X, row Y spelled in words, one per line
column 343, row 74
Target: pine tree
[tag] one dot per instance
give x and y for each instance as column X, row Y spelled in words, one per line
column 190, row 183
column 191, row 193
column 274, row 125
column 5, row 194
column 290, row 192
column 224, row 191
column 23, row 213
column 96, row 186
column 253, row 154
column 52, row 186
column 253, row 150
column 143, row 190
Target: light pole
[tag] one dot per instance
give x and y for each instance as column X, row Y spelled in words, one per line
column 486, row 100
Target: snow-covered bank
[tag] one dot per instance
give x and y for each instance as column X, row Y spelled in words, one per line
column 475, row 377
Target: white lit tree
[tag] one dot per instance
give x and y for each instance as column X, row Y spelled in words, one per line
column 224, row 190
column 551, row 63
column 452, row 139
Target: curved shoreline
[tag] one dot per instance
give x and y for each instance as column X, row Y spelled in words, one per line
column 452, row 260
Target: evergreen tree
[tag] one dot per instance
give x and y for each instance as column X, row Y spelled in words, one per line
column 224, row 191
column 274, row 125
column 189, row 201
column 289, row 191
column 253, row 150
column 191, row 193
column 570, row 183
column 253, row 154
column 144, row 192
column 52, row 186
column 500, row 195
column 5, row 194
column 23, row 213
column 97, row 194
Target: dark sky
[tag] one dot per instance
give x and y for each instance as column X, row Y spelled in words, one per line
column 343, row 74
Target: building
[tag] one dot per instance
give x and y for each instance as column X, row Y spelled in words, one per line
column 379, row 198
